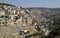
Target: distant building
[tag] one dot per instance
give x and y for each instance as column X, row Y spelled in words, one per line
column 2, row 13
column 3, row 22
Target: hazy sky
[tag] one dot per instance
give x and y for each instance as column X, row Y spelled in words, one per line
column 33, row 3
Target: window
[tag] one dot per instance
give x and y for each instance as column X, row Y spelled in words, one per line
column 0, row 22
column 0, row 25
column 3, row 23
column 16, row 13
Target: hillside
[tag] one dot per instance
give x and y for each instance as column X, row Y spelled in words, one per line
column 36, row 22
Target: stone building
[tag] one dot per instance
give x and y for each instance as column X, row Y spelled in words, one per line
column 3, row 22
column 2, row 13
